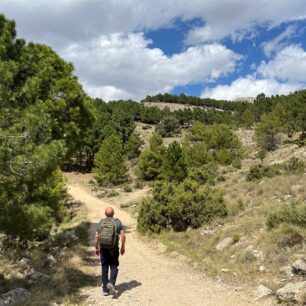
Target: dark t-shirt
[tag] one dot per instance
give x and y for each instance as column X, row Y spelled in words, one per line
column 119, row 228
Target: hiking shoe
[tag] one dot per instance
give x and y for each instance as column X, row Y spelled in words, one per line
column 111, row 289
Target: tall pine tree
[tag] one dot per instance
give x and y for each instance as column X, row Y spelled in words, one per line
column 109, row 162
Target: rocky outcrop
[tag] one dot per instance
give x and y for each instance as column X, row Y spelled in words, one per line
column 50, row 261
column 12, row 297
column 299, row 266
column 292, row 292
column 262, row 291
column 286, row 271
column 225, row 243
column 35, row 277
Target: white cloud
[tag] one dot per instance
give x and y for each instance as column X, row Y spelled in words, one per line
column 123, row 66
column 288, row 65
column 277, row 43
column 116, row 66
column 69, row 21
column 250, row 87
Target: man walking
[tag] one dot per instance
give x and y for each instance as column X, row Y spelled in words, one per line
column 108, row 234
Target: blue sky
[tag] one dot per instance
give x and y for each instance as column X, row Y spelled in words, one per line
column 129, row 49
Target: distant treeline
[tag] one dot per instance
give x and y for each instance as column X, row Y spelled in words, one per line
column 289, row 108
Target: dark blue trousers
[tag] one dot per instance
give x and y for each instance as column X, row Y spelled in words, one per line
column 109, row 263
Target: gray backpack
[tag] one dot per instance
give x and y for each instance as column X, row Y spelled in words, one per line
column 108, row 233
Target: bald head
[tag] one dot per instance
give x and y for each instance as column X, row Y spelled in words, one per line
column 109, row 212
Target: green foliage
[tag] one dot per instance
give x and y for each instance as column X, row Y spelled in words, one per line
column 247, row 118
column 150, row 161
column 179, row 206
column 267, row 132
column 44, row 197
column 127, row 188
column 132, row 147
column 152, row 216
column 150, row 115
column 44, row 115
column 205, row 174
column 262, row 153
column 257, row 172
column 221, row 143
column 293, row 213
column 112, row 193
column 109, row 162
column 173, row 163
column 168, row 127
column 293, row 165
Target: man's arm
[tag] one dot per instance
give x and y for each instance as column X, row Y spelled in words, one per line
column 97, row 252
column 123, row 239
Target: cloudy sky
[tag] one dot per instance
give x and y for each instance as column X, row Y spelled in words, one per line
column 127, row 49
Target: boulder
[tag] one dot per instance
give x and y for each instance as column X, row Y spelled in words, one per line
column 287, row 197
column 299, row 266
column 35, row 277
column 25, row 261
column 15, row 296
column 262, row 291
column 225, row 243
column 261, row 268
column 50, row 261
column 207, row 232
column 286, row 271
column 292, row 292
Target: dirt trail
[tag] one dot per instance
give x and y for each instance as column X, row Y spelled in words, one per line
column 147, row 277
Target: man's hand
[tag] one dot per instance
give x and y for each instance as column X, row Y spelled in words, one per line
column 97, row 252
column 122, row 250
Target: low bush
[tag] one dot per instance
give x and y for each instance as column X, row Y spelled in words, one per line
column 206, row 174
column 112, row 193
column 179, row 206
column 257, row 172
column 168, row 127
column 127, row 188
column 293, row 165
column 293, row 213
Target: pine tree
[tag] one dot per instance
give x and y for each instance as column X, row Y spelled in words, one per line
column 109, row 162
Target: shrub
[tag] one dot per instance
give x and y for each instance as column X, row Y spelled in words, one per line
column 180, row 206
column 146, row 127
column 168, row 127
column 112, row 193
column 150, row 161
column 204, row 174
column 152, row 217
column 294, row 165
column 132, row 147
column 173, row 163
column 291, row 214
column 267, row 132
column 257, row 172
column 138, row 184
column 127, row 188
column 221, row 143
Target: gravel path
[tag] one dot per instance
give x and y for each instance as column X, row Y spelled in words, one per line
column 147, row 277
